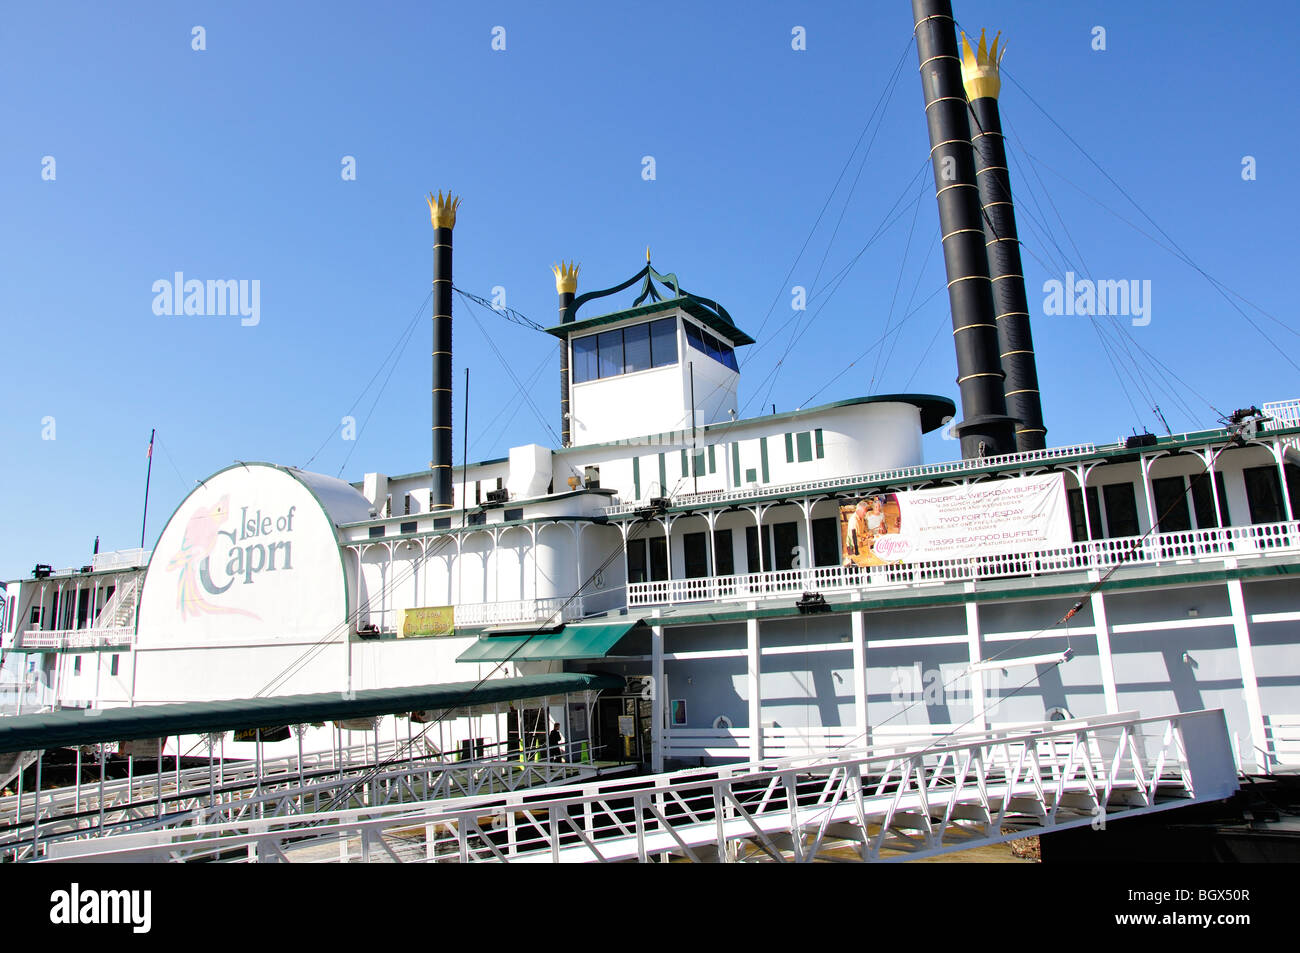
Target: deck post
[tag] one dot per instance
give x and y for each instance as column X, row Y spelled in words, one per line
column 1278, row 450
column 979, row 713
column 754, row 671
column 859, row 623
column 103, row 755
column 36, row 804
column 1101, row 626
column 656, row 699
column 76, row 788
column 1258, row 753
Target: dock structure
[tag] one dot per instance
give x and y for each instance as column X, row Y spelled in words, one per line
column 890, row 803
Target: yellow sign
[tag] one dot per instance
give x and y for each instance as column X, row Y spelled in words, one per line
column 428, row 621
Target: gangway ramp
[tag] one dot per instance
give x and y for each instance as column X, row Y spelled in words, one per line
column 963, row 791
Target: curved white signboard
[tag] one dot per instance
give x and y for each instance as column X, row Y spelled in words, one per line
column 250, row 557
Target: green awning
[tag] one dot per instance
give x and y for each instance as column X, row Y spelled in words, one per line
column 88, row 726
column 577, row 640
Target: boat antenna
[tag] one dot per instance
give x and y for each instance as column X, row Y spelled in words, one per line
column 1163, row 422
column 144, row 519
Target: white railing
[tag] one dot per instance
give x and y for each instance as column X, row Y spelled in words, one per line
column 1097, row 554
column 555, row 609
column 520, row 610
column 77, row 638
column 919, row 471
column 121, row 559
column 958, row 792
column 156, row 801
column 1284, row 413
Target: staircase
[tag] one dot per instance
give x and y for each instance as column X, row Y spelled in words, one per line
column 119, row 611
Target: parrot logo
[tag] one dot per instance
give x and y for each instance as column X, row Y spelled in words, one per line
column 201, row 534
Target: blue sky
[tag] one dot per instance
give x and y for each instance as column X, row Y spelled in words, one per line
column 225, row 163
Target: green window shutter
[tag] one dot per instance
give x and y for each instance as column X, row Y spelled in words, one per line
column 713, row 467
column 636, row 478
column 735, row 462
column 663, row 476
column 789, row 448
column 751, row 476
column 697, row 463
column 685, row 472
column 805, row 446
column 762, row 446
column 820, row 450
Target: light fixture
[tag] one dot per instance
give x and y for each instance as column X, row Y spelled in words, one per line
column 1051, row 658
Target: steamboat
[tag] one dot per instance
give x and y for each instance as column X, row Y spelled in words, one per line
column 675, row 585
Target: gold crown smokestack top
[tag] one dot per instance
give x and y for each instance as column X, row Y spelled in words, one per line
column 566, row 285
column 986, row 429
column 980, row 75
column 442, row 213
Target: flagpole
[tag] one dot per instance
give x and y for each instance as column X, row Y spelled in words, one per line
column 147, row 474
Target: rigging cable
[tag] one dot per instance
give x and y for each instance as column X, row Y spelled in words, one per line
column 392, row 351
column 847, row 162
column 509, row 370
column 1214, row 283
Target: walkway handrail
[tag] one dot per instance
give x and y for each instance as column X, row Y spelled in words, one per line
column 1056, row 774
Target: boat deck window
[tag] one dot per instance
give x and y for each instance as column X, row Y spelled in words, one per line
column 625, row 350
column 714, row 347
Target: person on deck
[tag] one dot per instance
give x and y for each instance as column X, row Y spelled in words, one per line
column 555, row 740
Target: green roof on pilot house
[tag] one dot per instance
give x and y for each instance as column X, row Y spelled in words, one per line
column 705, row 310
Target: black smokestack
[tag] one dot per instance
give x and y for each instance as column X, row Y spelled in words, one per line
column 566, row 284
column 979, row 72
column 986, row 429
column 442, row 212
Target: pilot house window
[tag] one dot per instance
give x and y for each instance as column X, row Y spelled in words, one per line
column 625, row 350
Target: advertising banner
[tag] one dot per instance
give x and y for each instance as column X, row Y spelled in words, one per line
column 428, row 621
column 1001, row 516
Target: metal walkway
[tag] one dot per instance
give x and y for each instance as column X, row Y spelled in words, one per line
column 874, row 805
column 73, row 819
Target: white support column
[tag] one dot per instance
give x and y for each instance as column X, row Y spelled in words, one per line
column 712, row 517
column 808, row 562
column 754, row 671
column 577, row 529
column 975, row 649
column 1255, row 751
column 1210, row 460
column 1278, row 449
column 1153, row 518
column 667, row 524
column 860, row 677
column 1081, row 474
column 658, row 702
column 1109, row 688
